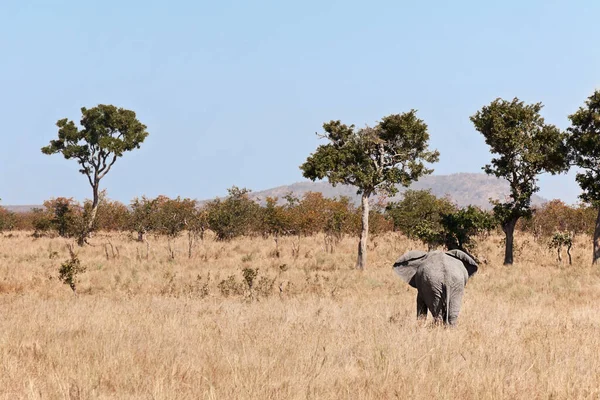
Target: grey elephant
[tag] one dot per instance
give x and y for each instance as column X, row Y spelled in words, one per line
column 440, row 278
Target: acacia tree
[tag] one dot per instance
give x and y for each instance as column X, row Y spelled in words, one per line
column 584, row 145
column 374, row 159
column 525, row 147
column 106, row 133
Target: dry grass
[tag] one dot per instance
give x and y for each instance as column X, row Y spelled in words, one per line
column 162, row 329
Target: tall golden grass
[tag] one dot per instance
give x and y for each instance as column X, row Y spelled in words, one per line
column 145, row 326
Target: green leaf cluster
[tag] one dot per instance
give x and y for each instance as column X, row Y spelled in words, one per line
column 233, row 216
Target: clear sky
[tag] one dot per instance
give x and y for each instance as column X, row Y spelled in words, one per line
column 233, row 92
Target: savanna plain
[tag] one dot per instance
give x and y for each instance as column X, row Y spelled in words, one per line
column 236, row 321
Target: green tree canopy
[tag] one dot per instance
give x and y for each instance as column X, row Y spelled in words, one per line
column 584, row 144
column 437, row 221
column 373, row 159
column 459, row 227
column 419, row 209
column 524, row 147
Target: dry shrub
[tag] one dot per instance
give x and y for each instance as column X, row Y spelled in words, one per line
column 231, row 286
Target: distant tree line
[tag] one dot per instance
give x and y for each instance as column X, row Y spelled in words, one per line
column 420, row 215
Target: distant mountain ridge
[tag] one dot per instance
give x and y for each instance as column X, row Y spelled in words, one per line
column 463, row 188
column 21, row 209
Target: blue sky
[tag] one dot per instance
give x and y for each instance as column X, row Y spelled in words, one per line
column 233, row 92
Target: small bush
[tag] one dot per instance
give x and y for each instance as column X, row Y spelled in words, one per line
column 264, row 286
column 200, row 287
column 41, row 222
column 560, row 240
column 169, row 288
column 250, row 275
column 7, row 219
column 230, row 286
column 69, row 270
column 235, row 216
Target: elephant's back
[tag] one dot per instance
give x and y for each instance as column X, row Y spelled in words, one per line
column 455, row 271
column 432, row 270
column 441, row 268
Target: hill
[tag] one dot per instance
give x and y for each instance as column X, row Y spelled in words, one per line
column 21, row 209
column 462, row 188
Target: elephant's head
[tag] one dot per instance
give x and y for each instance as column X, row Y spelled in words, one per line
column 467, row 261
column 406, row 266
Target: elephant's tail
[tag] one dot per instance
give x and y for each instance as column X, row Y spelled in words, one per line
column 446, row 292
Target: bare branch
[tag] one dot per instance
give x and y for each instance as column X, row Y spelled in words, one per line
column 109, row 166
column 84, row 163
column 102, row 165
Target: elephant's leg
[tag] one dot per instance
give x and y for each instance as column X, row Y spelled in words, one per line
column 454, row 309
column 432, row 296
column 437, row 309
column 437, row 305
column 421, row 307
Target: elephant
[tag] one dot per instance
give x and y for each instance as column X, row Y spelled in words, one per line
column 440, row 278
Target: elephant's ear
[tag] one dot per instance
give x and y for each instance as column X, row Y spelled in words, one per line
column 467, row 260
column 406, row 266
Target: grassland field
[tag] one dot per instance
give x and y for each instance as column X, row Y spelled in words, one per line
column 143, row 325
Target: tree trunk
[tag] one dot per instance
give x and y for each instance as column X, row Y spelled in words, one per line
column 596, row 254
column 171, row 251
column 276, row 239
column 191, row 238
column 89, row 224
column 94, row 211
column 361, row 261
column 296, row 248
column 509, row 231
